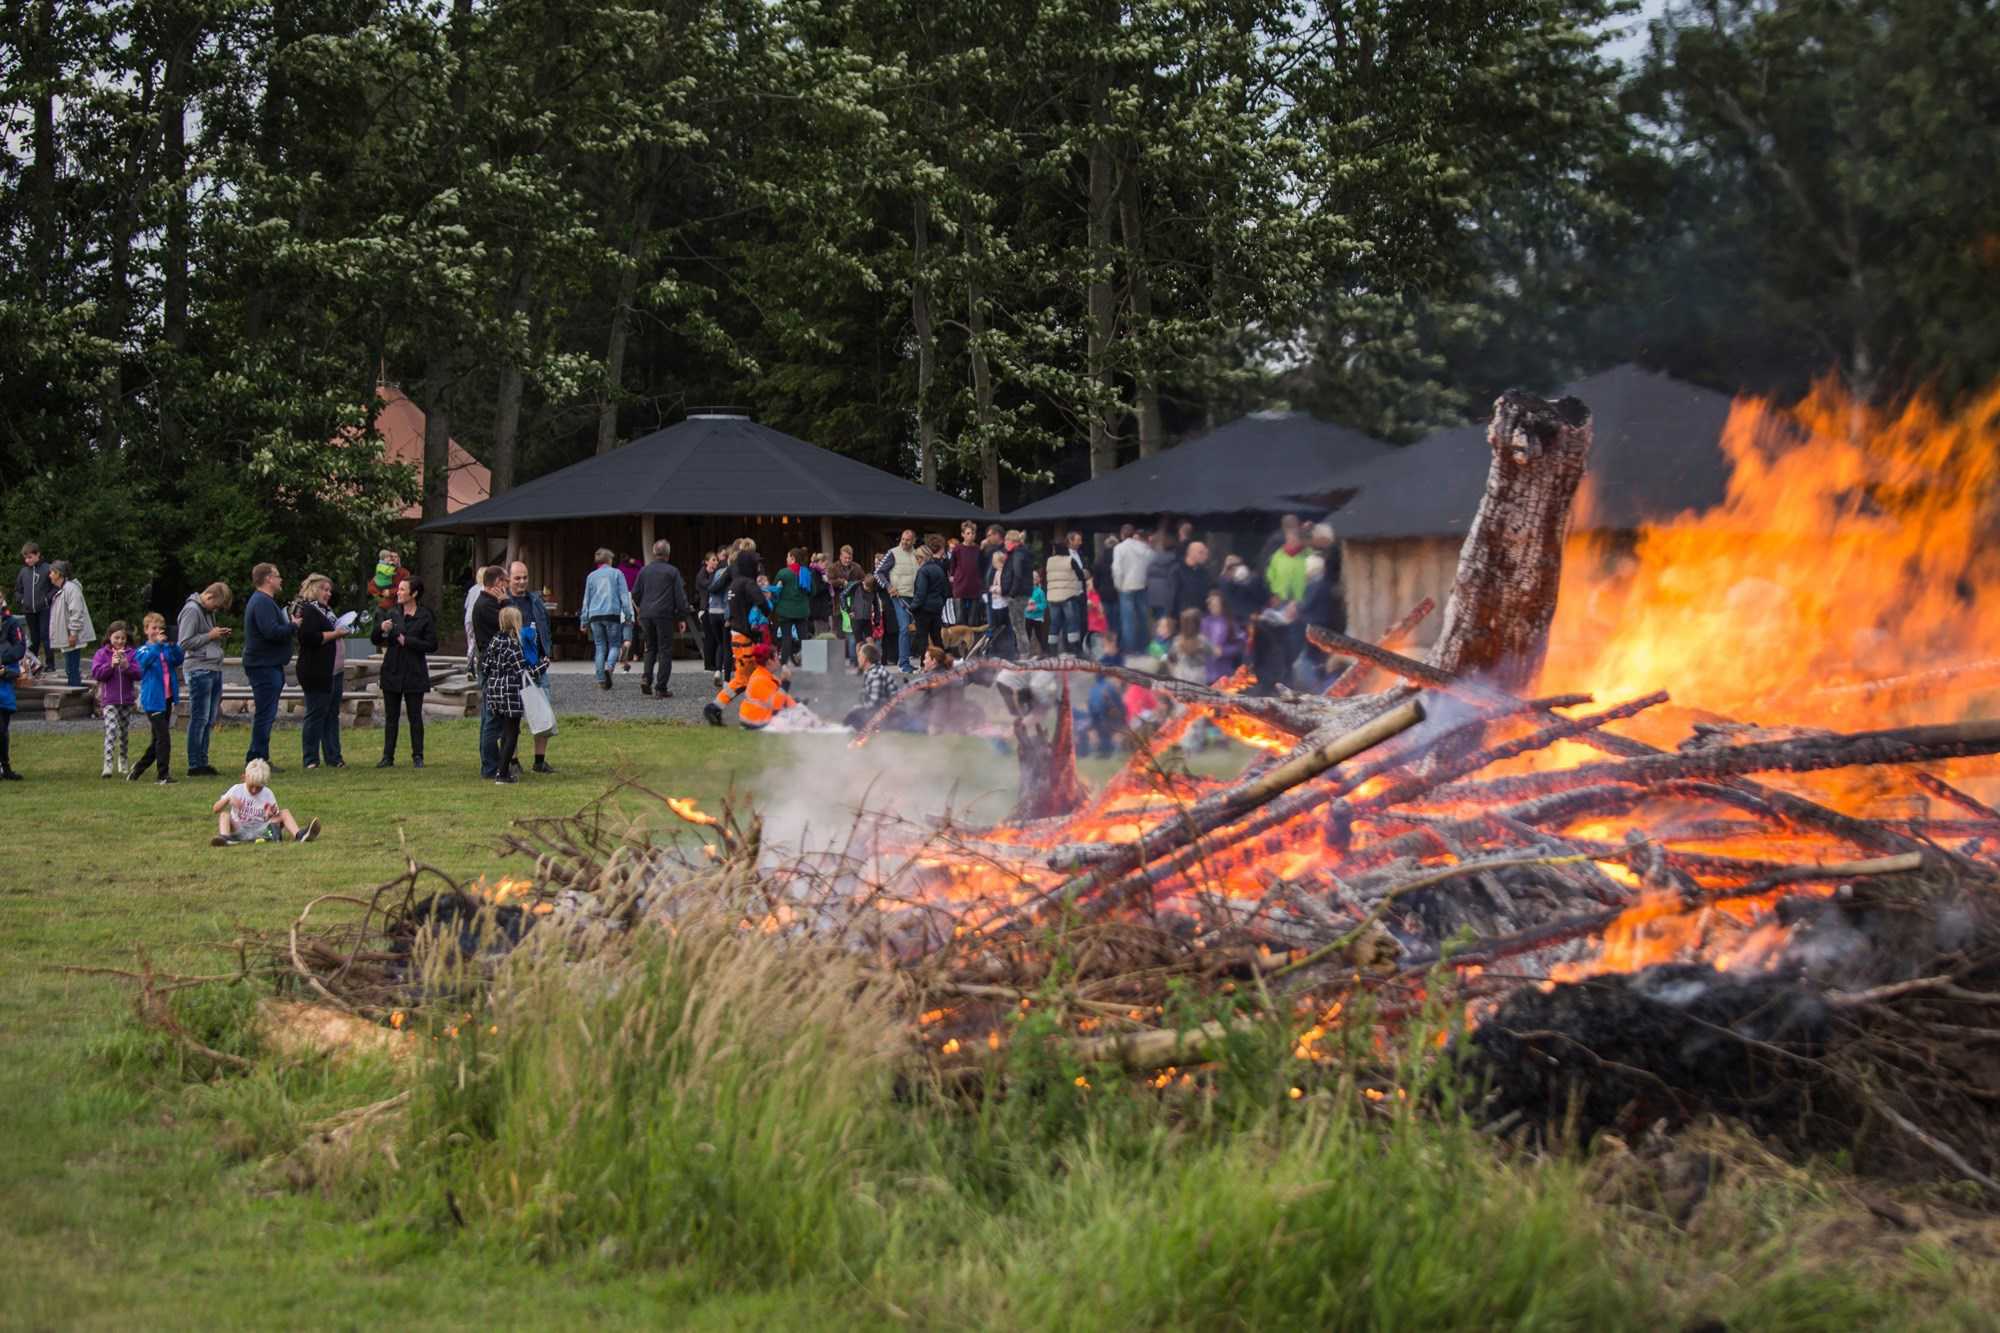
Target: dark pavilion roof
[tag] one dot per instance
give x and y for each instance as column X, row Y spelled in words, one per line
column 1656, row 452
column 712, row 464
column 1260, row 463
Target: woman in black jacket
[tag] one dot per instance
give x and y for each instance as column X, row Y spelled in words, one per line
column 407, row 634
column 317, row 633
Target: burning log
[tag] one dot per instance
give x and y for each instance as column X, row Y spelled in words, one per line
column 1496, row 624
column 1901, row 745
column 1228, row 806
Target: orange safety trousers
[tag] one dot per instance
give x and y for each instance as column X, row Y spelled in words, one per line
column 740, row 645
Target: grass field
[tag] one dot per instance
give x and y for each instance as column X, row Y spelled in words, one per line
column 755, row 1166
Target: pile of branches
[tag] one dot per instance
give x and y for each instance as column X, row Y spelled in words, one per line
column 1877, row 1035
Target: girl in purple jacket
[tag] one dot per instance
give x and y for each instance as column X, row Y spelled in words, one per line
column 116, row 669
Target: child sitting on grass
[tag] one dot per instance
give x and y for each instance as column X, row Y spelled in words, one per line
column 159, row 663
column 249, row 812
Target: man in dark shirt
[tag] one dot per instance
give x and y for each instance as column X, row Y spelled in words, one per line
column 1192, row 582
column 492, row 591
column 267, row 646
column 662, row 600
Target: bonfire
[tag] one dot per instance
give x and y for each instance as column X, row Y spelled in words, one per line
column 1689, row 825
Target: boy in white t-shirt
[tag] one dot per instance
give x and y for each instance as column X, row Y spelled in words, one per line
column 249, row 812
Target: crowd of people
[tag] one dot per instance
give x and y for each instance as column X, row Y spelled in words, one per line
column 1156, row 599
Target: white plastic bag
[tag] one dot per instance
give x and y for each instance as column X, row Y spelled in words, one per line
column 536, row 711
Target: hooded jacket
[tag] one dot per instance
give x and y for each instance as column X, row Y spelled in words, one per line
column 159, row 675
column 32, row 591
column 744, row 594
column 13, row 647
column 117, row 686
column 70, row 614
column 198, row 651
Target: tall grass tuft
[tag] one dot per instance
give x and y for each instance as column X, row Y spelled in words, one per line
column 694, row 1094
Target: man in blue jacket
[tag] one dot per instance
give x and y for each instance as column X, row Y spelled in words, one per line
column 267, row 647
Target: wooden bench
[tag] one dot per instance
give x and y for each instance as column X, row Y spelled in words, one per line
column 59, row 703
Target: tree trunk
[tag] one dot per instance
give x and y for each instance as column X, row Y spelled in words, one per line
column 507, row 398
column 437, row 484
column 920, row 315
column 174, row 262
column 1496, row 625
column 628, row 289
column 982, row 399
column 40, row 186
column 1144, row 376
column 1101, row 299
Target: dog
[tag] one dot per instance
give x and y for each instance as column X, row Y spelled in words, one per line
column 958, row 639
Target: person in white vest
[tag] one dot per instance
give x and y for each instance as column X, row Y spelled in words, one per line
column 898, row 572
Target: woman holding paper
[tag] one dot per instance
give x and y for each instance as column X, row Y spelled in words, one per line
column 319, row 670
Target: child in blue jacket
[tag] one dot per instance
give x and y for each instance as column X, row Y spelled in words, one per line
column 13, row 647
column 159, row 663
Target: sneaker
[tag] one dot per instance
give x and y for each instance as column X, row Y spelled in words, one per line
column 663, row 694
column 309, row 768
column 416, row 763
column 163, row 781
column 506, row 780
column 309, row 832
column 385, row 762
column 542, row 766
column 338, row 763
column 218, row 841
column 107, row 773
column 712, row 714
column 644, row 688
column 201, row 771
column 9, row 775
column 134, row 775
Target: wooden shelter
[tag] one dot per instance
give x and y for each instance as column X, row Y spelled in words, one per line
column 1657, row 453
column 700, row 484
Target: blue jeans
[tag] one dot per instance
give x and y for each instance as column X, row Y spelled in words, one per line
column 607, row 637
column 204, row 706
column 266, row 684
column 902, row 605
column 1066, row 622
column 489, row 739
column 73, row 665
column 1132, row 622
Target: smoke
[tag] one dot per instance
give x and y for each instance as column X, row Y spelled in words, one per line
column 835, row 800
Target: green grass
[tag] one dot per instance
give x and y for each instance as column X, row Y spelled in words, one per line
column 722, row 1140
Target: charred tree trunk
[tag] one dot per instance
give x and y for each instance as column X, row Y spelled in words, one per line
column 1049, row 784
column 1496, row 625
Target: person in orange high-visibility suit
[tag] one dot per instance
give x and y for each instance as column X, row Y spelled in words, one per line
column 765, row 698
column 744, row 595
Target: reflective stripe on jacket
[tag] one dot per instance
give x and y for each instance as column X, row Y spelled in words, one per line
column 764, row 698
